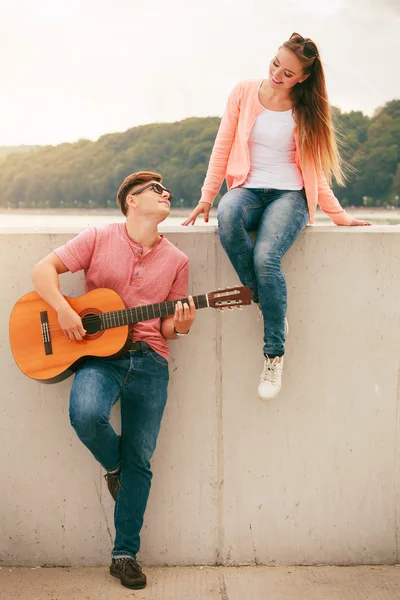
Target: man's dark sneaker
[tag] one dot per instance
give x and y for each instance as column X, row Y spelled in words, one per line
column 129, row 573
column 113, row 483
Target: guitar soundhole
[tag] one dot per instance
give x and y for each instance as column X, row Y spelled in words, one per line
column 91, row 323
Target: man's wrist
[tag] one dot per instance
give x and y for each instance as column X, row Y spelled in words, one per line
column 61, row 306
column 180, row 334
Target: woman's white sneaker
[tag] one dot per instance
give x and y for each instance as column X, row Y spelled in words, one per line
column 271, row 378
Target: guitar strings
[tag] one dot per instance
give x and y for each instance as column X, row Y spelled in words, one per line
column 91, row 319
column 169, row 304
column 56, row 330
column 112, row 315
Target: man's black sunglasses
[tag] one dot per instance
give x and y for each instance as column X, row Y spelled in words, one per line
column 157, row 188
column 309, row 49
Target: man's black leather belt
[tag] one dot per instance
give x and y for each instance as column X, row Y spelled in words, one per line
column 138, row 346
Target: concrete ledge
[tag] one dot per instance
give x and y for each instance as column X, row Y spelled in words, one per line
column 309, row 478
column 171, row 229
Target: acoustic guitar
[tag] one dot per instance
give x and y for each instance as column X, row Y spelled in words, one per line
column 43, row 352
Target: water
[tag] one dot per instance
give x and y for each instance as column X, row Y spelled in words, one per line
column 36, row 220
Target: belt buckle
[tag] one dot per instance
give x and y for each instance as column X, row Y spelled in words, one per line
column 135, row 347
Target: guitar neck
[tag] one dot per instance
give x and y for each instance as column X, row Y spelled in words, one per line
column 129, row 316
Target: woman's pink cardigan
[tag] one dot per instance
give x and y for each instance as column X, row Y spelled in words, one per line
column 230, row 157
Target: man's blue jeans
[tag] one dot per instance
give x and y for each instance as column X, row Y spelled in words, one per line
column 279, row 216
column 140, row 380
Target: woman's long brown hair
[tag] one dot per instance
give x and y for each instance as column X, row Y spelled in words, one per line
column 312, row 114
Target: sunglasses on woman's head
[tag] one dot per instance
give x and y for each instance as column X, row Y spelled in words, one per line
column 309, row 49
column 157, row 188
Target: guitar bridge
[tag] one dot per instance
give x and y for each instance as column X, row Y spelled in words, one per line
column 48, row 349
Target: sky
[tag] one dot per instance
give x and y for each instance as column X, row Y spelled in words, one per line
column 74, row 69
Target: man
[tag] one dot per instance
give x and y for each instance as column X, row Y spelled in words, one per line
column 143, row 267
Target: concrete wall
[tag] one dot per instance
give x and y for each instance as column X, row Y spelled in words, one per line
column 311, row 477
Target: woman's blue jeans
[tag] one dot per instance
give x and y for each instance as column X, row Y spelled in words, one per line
column 140, row 380
column 279, row 216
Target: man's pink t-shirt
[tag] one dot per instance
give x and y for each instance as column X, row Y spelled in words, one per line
column 111, row 259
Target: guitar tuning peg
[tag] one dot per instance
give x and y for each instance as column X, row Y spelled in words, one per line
column 231, row 307
column 222, row 309
column 240, row 307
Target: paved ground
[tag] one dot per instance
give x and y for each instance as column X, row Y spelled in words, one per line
column 206, row 583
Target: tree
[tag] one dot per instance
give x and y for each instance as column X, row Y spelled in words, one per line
column 89, row 173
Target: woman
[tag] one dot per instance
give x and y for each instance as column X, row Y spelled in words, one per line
column 277, row 150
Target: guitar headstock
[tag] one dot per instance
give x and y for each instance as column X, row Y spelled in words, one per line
column 230, row 297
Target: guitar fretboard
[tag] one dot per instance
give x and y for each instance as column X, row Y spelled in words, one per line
column 128, row 316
